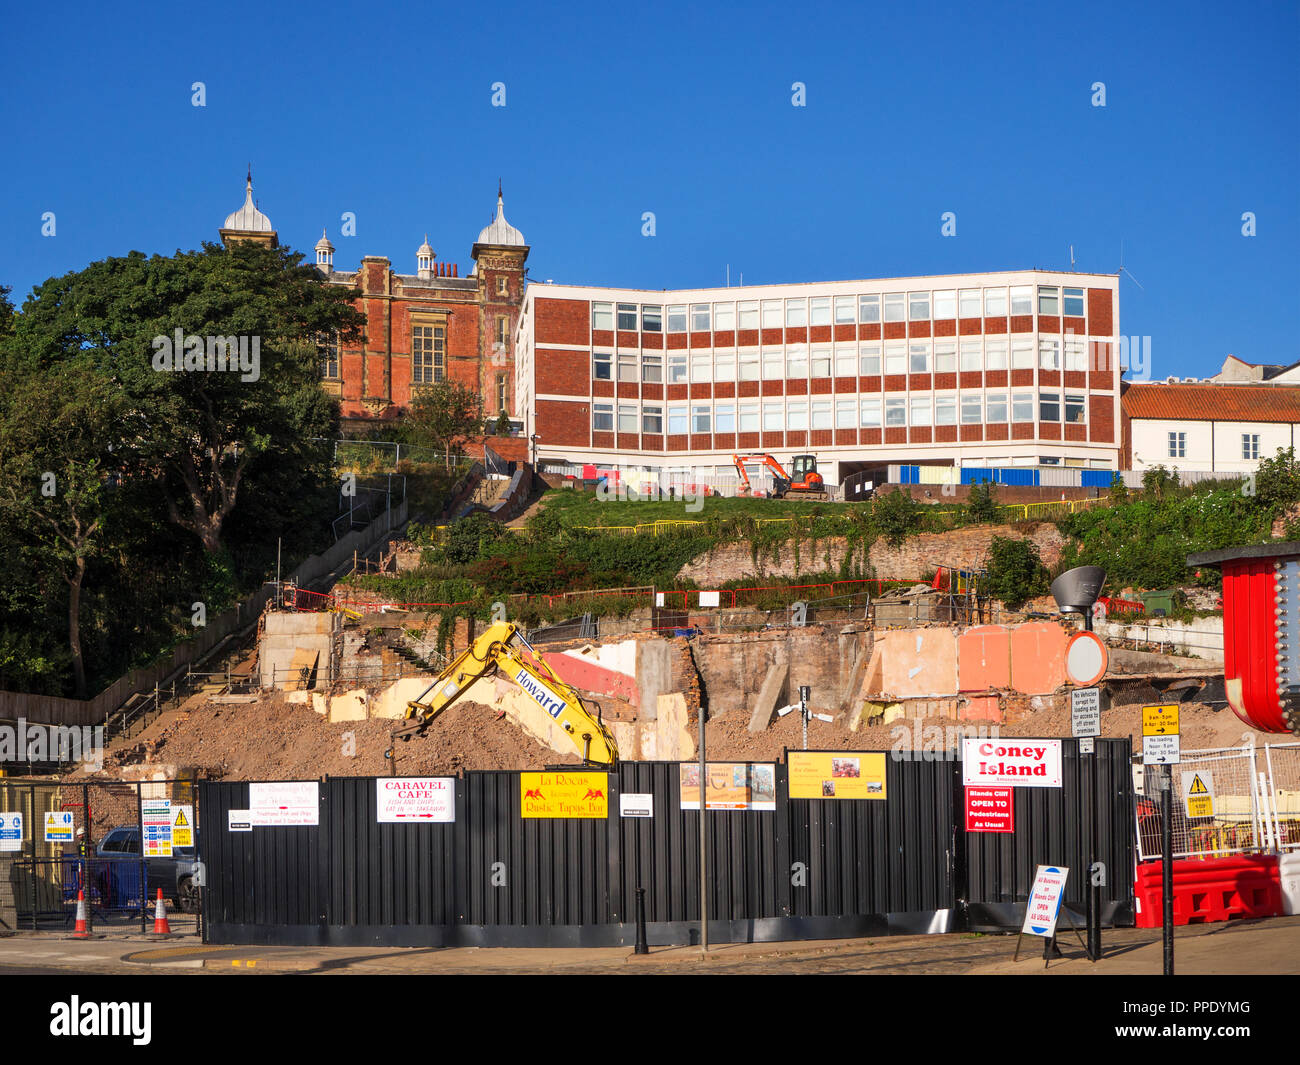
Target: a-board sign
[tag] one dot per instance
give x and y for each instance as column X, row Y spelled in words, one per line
column 636, row 804
column 1045, row 901
column 836, row 774
column 239, row 820
column 1009, row 762
column 990, row 810
column 1085, row 712
column 581, row 794
column 11, row 831
column 730, row 786
column 1198, row 792
column 284, row 802
column 156, row 820
column 182, row 826
column 415, row 800
column 59, row 826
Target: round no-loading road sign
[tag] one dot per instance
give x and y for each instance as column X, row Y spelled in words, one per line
column 1086, row 659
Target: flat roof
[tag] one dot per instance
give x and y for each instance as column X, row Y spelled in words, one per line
column 1227, row 554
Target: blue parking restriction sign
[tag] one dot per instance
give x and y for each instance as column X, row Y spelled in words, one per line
column 11, row 831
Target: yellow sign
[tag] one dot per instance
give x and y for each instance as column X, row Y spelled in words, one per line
column 564, row 794
column 182, row 826
column 837, row 775
column 1198, row 793
column 1160, row 720
column 731, row 786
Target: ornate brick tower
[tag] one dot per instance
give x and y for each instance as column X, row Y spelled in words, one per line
column 499, row 255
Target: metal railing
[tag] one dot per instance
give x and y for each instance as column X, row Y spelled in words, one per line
column 1254, row 797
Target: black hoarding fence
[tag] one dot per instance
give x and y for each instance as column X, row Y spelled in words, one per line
column 803, row 868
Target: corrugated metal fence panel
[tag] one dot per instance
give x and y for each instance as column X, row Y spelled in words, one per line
column 866, row 857
column 662, row 854
column 1059, row 477
column 389, row 874
column 1051, row 829
column 555, row 870
column 269, row 876
column 1096, row 478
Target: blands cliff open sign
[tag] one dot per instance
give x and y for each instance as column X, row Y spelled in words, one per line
column 1012, row 763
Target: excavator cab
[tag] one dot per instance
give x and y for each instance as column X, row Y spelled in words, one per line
column 801, row 466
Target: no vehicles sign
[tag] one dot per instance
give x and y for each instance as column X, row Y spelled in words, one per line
column 405, row 800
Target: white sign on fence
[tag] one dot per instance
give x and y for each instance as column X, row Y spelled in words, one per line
column 239, row 820
column 284, row 802
column 1013, row 763
column 636, row 804
column 1045, row 901
column 710, row 599
column 1085, row 712
column 415, row 799
column 11, row 831
column 156, row 820
column 59, row 826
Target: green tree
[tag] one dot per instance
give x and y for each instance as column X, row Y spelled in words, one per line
column 442, row 414
column 1015, row 571
column 1118, row 490
column 200, row 431
column 896, row 515
column 1159, row 483
column 981, row 503
column 1277, row 481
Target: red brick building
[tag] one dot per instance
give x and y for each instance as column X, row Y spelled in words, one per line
column 421, row 328
column 995, row 369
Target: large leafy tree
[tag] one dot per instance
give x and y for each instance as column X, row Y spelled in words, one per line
column 199, row 432
column 443, row 414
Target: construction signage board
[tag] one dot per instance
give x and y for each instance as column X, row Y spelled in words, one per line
column 284, row 802
column 156, row 820
column 182, row 826
column 731, row 786
column 1085, row 712
column 580, row 794
column 990, row 810
column 836, row 775
column 11, row 832
column 1045, row 901
column 406, row 800
column 1161, row 750
column 59, row 827
column 1016, row 763
column 1198, row 792
column 636, row 804
column 1160, row 720
column 239, row 820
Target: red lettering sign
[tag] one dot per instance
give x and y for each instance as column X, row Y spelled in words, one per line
column 990, row 810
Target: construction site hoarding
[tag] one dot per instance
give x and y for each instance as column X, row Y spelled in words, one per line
column 582, row 794
column 837, row 774
column 731, row 786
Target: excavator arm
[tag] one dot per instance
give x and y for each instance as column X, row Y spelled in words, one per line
column 499, row 649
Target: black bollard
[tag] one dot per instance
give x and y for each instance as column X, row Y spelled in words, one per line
column 641, row 946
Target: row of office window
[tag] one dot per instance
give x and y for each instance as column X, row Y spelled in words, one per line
column 1249, row 445
column 838, row 310
column 846, row 360
column 868, row 412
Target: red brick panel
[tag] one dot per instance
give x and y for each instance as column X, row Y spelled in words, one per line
column 1101, row 418
column 678, row 443
column 821, row 386
column 995, row 432
column 1049, row 378
column 1049, row 431
column 563, row 373
column 1076, row 432
column 797, row 335
column 971, row 379
column 747, row 388
column 654, row 341
column 796, row 388
column 561, row 321
column 945, row 327
column 1077, row 326
column 799, row 439
column 653, row 442
column 628, row 339
column 701, row 391
column 627, row 442
column 1100, row 372
column 1022, row 431
column 969, row 327
column 822, row 438
column 945, row 434
column 896, row 435
column 652, row 391
column 1022, row 323
column 725, row 440
column 771, row 440
column 895, row 382
column 1049, row 323
column 919, row 382
column 869, row 384
column 605, row 440
column 724, row 389
column 1101, row 320
column 701, row 442
column 678, row 392
column 918, row 329
column 1021, row 378
column 895, row 330
column 921, row 434
column 676, row 341
column 846, row 436
column 773, row 388
column 566, row 424
column 995, row 378
column 773, row 336
column 869, row 332
column 603, row 388
column 1076, row 379
column 747, row 338
column 994, row 326
column 725, row 339
column 972, row 432
column 747, row 441
column 819, row 334
column 701, row 340
column 846, row 384
column 870, row 436
column 846, row 332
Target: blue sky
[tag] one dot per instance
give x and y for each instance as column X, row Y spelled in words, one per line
column 685, row 110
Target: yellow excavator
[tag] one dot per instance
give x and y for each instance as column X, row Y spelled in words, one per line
column 498, row 650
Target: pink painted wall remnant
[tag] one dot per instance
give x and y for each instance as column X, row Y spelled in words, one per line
column 1038, row 657
column 984, row 659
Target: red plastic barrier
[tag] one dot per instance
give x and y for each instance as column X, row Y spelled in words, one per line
column 1217, row 889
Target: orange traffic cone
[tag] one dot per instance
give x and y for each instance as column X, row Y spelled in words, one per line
column 80, row 931
column 160, row 926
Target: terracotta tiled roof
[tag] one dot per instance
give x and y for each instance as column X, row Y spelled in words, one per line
column 1205, row 402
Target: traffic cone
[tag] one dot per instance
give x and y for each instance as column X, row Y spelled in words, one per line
column 160, row 926
column 80, row 931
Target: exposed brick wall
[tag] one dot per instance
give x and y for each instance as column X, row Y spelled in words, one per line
column 561, row 321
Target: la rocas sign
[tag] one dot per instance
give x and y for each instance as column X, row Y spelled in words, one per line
column 1011, row 763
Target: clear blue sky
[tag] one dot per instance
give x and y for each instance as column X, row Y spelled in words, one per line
column 685, row 110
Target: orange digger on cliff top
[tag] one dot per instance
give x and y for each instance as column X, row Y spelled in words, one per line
column 803, row 482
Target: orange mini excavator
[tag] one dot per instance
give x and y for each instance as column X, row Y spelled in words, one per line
column 803, row 482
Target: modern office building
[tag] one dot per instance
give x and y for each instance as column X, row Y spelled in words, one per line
column 1007, row 368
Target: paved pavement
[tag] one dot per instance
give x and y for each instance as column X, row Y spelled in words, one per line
column 1269, row 946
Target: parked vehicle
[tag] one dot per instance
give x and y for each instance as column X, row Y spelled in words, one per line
column 174, row 875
